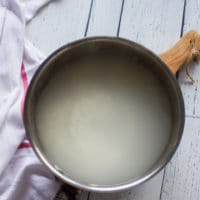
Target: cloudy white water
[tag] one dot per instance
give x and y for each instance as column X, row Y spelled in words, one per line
column 103, row 121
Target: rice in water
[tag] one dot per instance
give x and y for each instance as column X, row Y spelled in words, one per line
column 103, row 121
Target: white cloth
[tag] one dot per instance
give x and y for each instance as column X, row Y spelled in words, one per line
column 22, row 176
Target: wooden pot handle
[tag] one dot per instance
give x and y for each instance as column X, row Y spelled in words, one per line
column 186, row 50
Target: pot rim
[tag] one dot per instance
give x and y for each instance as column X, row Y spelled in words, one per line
column 95, row 188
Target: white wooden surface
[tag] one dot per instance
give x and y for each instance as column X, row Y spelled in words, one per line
column 182, row 178
column 157, row 25
column 58, row 23
column 105, row 17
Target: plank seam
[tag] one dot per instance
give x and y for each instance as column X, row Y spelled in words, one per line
column 182, row 26
column 162, row 183
column 194, row 101
column 192, row 116
column 85, row 34
column 183, row 17
column 120, row 18
column 89, row 16
column 88, row 197
column 177, row 76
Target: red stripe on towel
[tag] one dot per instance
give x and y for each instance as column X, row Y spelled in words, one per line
column 25, row 85
column 24, row 145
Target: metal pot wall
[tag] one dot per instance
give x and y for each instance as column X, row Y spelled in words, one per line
column 110, row 45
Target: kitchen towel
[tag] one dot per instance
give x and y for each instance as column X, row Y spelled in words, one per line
column 22, row 176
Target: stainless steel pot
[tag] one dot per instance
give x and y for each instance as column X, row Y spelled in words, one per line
column 111, row 45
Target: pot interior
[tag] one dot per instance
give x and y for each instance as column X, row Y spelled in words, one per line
column 104, row 113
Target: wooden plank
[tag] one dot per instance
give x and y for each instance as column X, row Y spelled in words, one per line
column 182, row 180
column 59, row 23
column 147, row 24
column 191, row 92
column 108, row 27
column 157, row 25
column 104, row 17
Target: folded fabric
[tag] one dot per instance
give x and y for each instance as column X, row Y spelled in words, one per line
column 22, row 176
